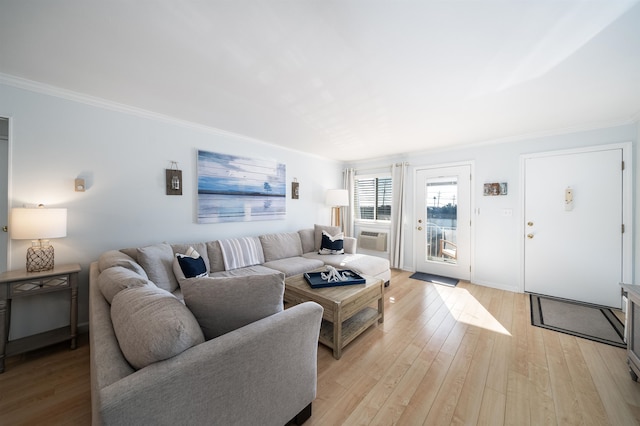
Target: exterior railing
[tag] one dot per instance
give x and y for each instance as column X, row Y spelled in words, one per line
column 435, row 234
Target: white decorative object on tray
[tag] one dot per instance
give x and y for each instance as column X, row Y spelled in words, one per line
column 333, row 275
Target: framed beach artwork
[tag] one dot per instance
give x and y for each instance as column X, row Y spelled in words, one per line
column 239, row 189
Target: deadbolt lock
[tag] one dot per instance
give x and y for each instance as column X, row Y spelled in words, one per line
column 529, row 223
column 419, row 220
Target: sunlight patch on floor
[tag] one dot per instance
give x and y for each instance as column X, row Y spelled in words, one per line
column 475, row 313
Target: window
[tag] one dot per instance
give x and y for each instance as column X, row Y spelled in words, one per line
column 373, row 198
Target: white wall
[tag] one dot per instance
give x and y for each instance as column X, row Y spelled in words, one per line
column 123, row 158
column 496, row 240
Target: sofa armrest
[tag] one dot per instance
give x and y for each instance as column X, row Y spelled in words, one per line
column 263, row 373
column 350, row 245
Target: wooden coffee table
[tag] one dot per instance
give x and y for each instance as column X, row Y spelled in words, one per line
column 347, row 310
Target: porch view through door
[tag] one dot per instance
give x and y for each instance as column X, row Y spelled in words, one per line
column 443, row 221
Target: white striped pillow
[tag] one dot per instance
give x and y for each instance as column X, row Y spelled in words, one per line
column 241, row 252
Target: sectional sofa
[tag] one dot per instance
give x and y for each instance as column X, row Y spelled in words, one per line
column 213, row 349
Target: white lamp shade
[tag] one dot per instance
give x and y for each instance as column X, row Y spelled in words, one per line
column 337, row 197
column 38, row 224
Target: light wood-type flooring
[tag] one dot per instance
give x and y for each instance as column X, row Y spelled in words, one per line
column 444, row 355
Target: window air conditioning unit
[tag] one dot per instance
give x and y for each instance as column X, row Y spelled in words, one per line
column 369, row 240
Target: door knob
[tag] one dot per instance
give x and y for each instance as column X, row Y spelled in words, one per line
column 529, row 236
column 529, row 223
column 419, row 228
column 5, row 229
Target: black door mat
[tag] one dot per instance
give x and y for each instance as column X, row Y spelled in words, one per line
column 585, row 320
column 436, row 279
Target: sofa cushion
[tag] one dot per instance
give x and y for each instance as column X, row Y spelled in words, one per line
column 131, row 252
column 112, row 280
column 281, row 245
column 214, row 252
column 243, row 272
column 241, row 252
column 360, row 263
column 157, row 261
column 189, row 265
column 224, row 304
column 332, row 244
column 113, row 258
column 152, row 325
column 317, row 229
column 307, row 238
column 294, row 265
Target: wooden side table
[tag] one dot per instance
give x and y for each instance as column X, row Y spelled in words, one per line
column 16, row 284
column 632, row 329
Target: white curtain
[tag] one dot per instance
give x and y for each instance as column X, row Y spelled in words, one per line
column 396, row 252
column 347, row 213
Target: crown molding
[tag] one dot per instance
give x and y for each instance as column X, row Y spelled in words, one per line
column 70, row 95
column 505, row 140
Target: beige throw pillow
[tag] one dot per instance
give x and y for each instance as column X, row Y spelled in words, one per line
column 152, row 325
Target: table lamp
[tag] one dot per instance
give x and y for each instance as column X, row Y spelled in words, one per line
column 336, row 198
column 38, row 225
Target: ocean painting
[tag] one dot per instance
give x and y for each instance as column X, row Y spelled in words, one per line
column 239, row 189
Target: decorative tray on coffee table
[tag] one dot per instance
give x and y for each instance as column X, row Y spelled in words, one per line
column 315, row 279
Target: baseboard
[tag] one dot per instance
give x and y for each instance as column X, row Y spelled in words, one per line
column 497, row 286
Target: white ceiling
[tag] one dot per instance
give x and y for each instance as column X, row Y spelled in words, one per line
column 344, row 79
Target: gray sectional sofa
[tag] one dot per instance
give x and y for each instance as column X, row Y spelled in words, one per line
column 217, row 349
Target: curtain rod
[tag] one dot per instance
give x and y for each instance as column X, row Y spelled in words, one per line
column 379, row 167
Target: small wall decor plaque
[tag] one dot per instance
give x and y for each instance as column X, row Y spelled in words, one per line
column 295, row 189
column 495, row 188
column 174, row 179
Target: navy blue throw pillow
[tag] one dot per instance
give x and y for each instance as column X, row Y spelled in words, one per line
column 192, row 267
column 332, row 244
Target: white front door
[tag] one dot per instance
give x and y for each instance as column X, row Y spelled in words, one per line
column 573, row 212
column 443, row 214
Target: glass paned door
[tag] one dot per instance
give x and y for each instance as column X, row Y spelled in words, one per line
column 443, row 229
column 442, row 219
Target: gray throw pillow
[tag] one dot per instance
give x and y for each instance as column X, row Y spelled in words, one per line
column 113, row 258
column 222, row 305
column 281, row 246
column 111, row 281
column 157, row 261
column 152, row 325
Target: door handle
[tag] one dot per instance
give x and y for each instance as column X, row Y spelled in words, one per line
column 419, row 228
column 530, row 236
column 5, row 229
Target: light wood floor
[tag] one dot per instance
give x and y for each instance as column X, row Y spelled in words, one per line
column 463, row 355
